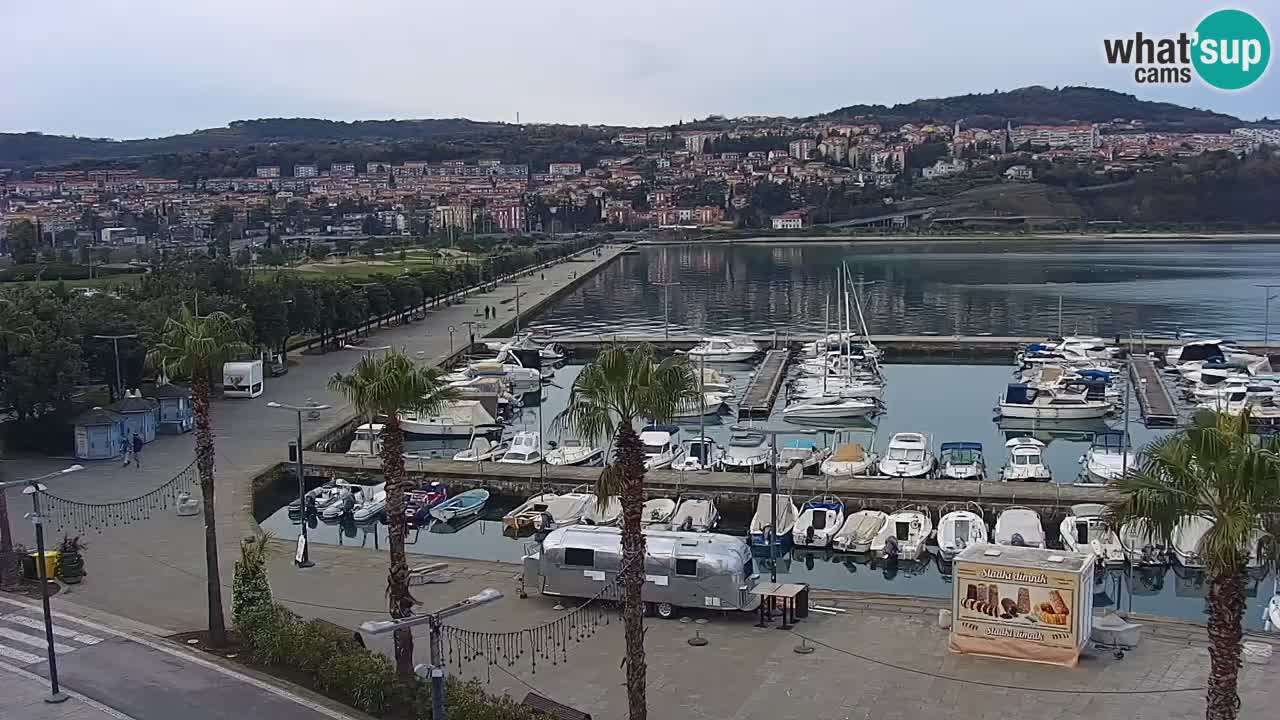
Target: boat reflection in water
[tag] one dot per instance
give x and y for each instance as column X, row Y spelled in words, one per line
column 1046, row 431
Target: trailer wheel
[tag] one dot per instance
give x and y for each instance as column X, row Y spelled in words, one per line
column 666, row 611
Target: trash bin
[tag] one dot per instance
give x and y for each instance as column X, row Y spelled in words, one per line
column 50, row 564
column 802, row 602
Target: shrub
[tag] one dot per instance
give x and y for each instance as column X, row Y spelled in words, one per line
column 364, row 680
column 250, row 590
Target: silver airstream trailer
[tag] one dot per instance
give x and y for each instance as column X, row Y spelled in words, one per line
column 682, row 569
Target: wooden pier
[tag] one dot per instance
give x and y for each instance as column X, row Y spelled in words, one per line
column 762, row 390
column 1153, row 397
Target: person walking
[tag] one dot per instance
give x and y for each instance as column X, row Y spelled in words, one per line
column 137, row 451
column 126, row 449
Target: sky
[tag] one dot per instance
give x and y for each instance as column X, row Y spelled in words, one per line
column 146, row 68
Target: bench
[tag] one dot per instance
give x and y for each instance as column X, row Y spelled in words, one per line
column 550, row 708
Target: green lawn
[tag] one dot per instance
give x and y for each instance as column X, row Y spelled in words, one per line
column 90, row 283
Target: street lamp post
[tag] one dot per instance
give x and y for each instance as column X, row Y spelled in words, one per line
column 1266, row 323
column 666, row 308
column 303, row 558
column 34, row 487
column 115, row 343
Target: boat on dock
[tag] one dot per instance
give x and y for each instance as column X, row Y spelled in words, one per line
column 724, row 349
column 522, row 517
column 317, row 499
column 701, row 453
column 418, row 502
column 482, row 449
column 819, row 521
column 1141, row 546
column 802, row 452
column 1019, row 527
column 712, row 380
column 367, row 441
column 711, row 403
column 832, row 407
column 763, row 532
column 746, row 451
column 368, row 503
column 526, row 449
column 1083, row 530
column 661, row 446
column 461, row 506
column 457, row 419
column 958, row 529
column 695, row 513
column 858, row 530
column 907, row 456
column 962, row 461
column 573, row 452
column 567, row 509
column 1075, row 400
column 1107, row 459
column 608, row 514
column 904, row 535
column 1026, row 461
column 657, row 512
column 848, row 459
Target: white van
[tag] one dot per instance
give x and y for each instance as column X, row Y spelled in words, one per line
column 242, row 379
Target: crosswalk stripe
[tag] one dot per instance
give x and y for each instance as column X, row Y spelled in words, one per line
column 23, row 657
column 32, row 640
column 59, row 631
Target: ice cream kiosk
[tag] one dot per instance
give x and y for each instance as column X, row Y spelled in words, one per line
column 1022, row 603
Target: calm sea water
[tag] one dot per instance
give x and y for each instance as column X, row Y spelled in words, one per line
column 1000, row 288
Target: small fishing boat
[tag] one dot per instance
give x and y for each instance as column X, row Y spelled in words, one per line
column 526, row 449
column 369, row 502
column 962, row 461
column 848, row 459
column 701, row 453
column 318, row 498
column 660, row 445
column 1107, row 458
column 819, row 521
column 567, row 509
column 1084, row 531
column 723, row 349
column 523, row 516
column 338, row 501
column 827, row 407
column 1026, row 461
column 482, row 449
column 1141, row 546
column 907, row 456
column 1074, row 400
column 573, row 452
column 695, row 513
column 461, row 506
column 763, row 531
column 903, row 535
column 1019, row 527
column 746, row 452
column 958, row 529
column 657, row 513
column 858, row 530
column 803, row 452
column 594, row 514
column 419, row 502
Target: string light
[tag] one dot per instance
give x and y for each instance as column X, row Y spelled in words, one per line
column 80, row 516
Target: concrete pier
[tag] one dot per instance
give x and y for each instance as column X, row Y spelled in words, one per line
column 1153, row 396
column 762, row 390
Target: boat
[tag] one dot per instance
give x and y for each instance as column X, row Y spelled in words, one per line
column 573, row 452
column 1069, row 349
column 367, row 441
column 695, row 513
column 1083, row 530
column 1107, row 458
column 712, row 380
column 1019, row 527
column 657, row 512
column 1141, row 547
column 723, row 349
column 746, row 451
column 550, row 352
column 461, row 506
column 857, row 387
column 903, row 535
column 832, row 407
column 700, row 454
column 595, row 514
column 763, row 532
column 506, row 368
column 958, row 529
column 1190, row 533
column 567, row 509
column 482, row 449
column 907, row 456
column 803, row 452
column 526, row 449
column 1074, row 400
column 1195, row 351
column 661, row 446
column 858, row 530
column 962, row 461
column 317, row 499
column 369, row 502
column 523, row 515
column 848, row 459
column 711, row 403
column 457, row 419
column 819, row 521
column 419, row 502
column 1026, row 461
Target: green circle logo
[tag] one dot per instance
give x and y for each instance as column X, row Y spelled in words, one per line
column 1232, row 49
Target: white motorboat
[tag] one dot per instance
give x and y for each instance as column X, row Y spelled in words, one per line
column 828, row 407
column 1019, row 527
column 594, row 514
column 657, row 513
column 1069, row 349
column 848, row 459
column 1083, row 530
column 1195, row 351
column 1189, row 535
column 338, row 501
column 573, row 452
column 695, row 513
column 482, row 449
column 1076, row 400
column 903, row 535
column 803, row 452
column 1107, row 459
column 550, row 352
column 858, row 530
column 763, row 531
column 907, row 456
column 1238, row 398
column 367, row 442
column 1141, row 546
column 851, row 341
column 1271, row 613
column 958, row 529
column 713, row 380
column 819, row 521
column 809, row 388
column 700, row 454
column 711, row 403
column 567, row 509
column 661, row 446
column 322, row 497
column 457, row 419
column 723, row 349
column 369, row 503
column 962, row 461
column 523, row 516
column 746, row 451
column 1026, row 461
column 526, row 449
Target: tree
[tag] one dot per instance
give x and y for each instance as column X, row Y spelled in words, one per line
column 318, row 252
column 22, row 241
column 244, row 256
column 343, row 246
column 387, row 386
column 195, row 348
column 15, row 331
column 622, row 386
column 1215, row 470
column 270, row 315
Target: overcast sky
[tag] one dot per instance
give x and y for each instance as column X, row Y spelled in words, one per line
column 143, row 68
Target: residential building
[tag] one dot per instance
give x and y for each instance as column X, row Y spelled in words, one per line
column 509, row 217
column 268, row 171
column 802, row 148
column 633, row 139
column 564, row 169
column 305, row 171
column 1083, row 136
column 1019, row 172
column 697, row 142
column 452, row 216
column 944, row 168
column 342, row 170
column 377, row 168
column 790, row 220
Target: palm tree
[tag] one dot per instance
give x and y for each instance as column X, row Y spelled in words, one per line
column 1217, row 470
column 622, row 386
column 195, row 347
column 387, row 386
column 15, row 330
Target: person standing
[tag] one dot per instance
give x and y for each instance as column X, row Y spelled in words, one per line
column 126, row 449
column 137, row 451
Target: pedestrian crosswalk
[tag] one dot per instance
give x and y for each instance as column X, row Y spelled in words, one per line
column 22, row 637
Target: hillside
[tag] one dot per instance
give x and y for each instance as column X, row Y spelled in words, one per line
column 1038, row 104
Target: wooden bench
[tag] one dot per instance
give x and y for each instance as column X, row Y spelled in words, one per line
column 550, row 708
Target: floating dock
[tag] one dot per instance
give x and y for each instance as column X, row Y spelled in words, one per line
column 762, row 390
column 1153, row 397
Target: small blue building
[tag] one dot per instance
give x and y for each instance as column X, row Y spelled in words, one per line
column 175, row 409
column 141, row 416
column 98, row 434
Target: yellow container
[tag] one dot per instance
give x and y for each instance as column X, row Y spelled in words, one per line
column 50, row 563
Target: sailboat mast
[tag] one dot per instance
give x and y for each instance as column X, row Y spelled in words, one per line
column 826, row 343
column 848, row 326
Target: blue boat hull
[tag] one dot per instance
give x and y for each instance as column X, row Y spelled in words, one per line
column 761, row 540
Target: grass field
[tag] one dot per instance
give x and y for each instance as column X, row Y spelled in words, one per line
column 101, row 282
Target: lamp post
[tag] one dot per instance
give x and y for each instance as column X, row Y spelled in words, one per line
column 1266, row 326
column 773, row 489
column 666, row 308
column 33, row 487
column 303, row 558
column 435, row 621
column 115, row 343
